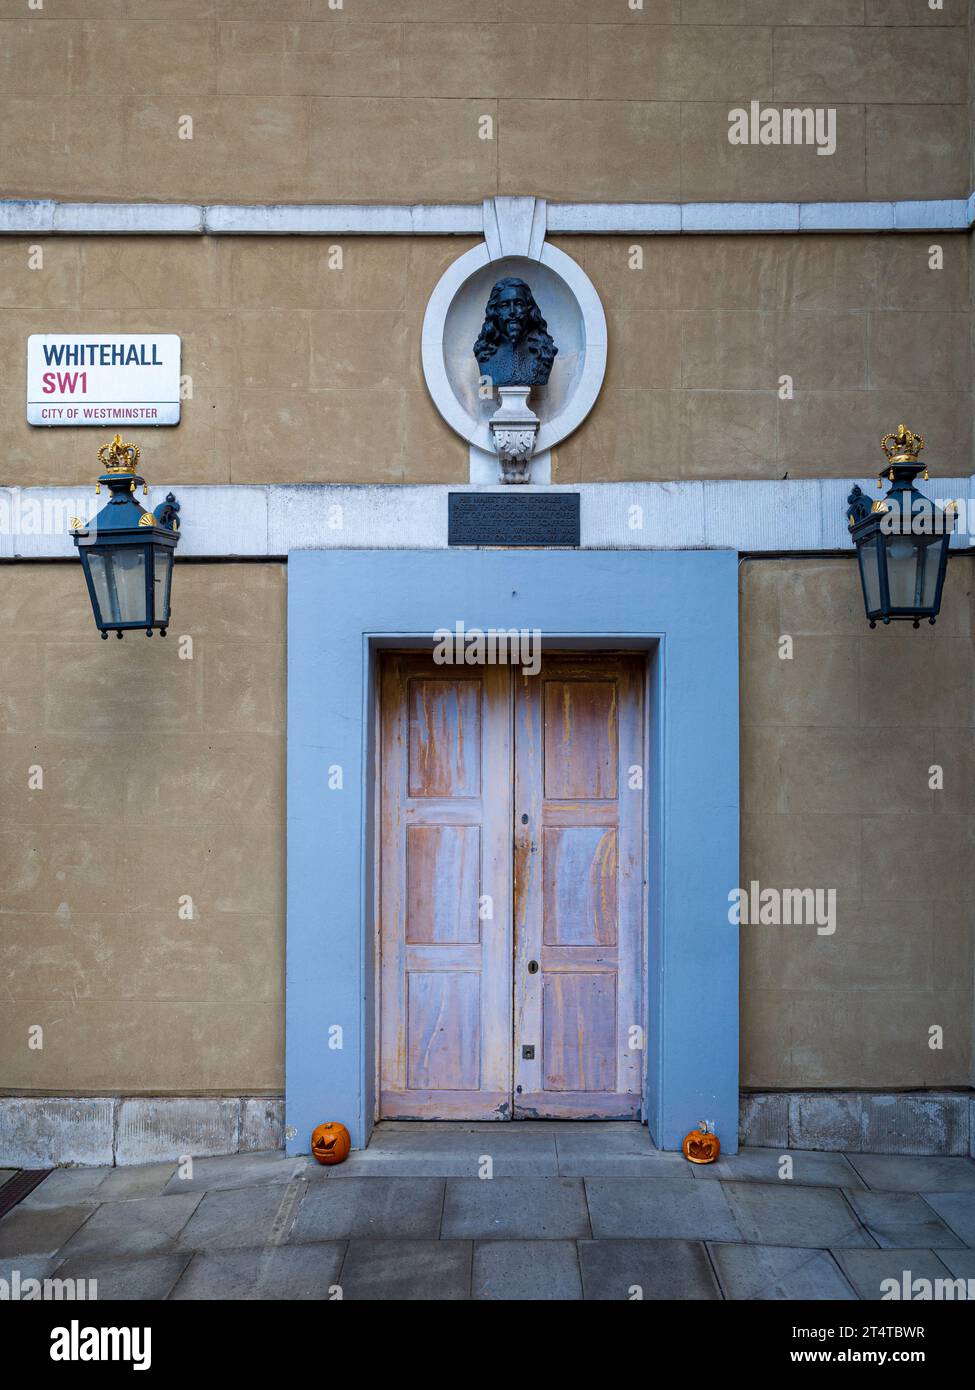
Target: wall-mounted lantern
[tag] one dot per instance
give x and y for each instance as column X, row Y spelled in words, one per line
column 127, row 551
column 902, row 539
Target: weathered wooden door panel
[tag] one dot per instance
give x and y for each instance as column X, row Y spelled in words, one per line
column 445, row 1010
column 524, row 1007
column 578, row 887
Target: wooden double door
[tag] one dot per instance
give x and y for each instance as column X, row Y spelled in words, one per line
column 511, row 894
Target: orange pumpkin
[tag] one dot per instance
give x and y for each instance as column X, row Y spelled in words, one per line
column 331, row 1142
column 701, row 1147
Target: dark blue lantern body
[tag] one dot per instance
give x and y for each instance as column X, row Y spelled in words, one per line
column 902, row 540
column 126, row 551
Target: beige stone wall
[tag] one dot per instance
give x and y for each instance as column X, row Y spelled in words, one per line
column 836, row 750
column 162, row 777
column 700, row 337
column 300, row 373
column 383, row 99
column 165, row 778
column 303, row 373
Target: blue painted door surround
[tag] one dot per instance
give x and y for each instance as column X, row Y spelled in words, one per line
column 343, row 606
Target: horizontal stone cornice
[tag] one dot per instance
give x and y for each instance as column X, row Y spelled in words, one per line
column 49, row 217
column 228, row 521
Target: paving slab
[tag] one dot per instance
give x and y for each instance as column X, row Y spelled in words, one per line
column 302, row 1272
column 145, row 1226
column 957, row 1210
column 376, row 1207
column 960, row 1263
column 66, row 1187
column 907, row 1173
column 26, row 1267
column 97, row 1185
column 766, row 1273
column 458, row 1154
column 867, row 1269
column 513, row 1208
column 434, row 1270
column 809, row 1168
column 660, row 1208
column 240, row 1216
column 460, row 1142
column 131, row 1280
column 526, row 1270
column 627, row 1270
column 621, row 1153
column 140, row 1180
column 235, row 1170
column 809, row 1217
column 902, row 1220
column 40, row 1230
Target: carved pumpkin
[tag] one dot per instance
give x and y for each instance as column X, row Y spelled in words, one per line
column 330, row 1143
column 700, row 1146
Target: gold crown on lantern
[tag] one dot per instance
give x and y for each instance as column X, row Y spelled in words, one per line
column 118, row 457
column 905, row 447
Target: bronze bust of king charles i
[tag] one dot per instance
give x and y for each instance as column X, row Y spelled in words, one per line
column 514, row 347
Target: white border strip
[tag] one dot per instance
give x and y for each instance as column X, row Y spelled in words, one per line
column 344, row 219
column 47, row 217
column 228, row 521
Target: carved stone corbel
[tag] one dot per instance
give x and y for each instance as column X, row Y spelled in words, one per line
column 514, row 427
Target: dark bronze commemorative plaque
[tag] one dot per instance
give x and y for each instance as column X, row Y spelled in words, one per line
column 513, row 518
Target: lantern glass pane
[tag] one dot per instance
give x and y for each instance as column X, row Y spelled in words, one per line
column 870, row 573
column 905, row 561
column 119, row 580
column 162, row 579
column 99, row 581
column 932, row 564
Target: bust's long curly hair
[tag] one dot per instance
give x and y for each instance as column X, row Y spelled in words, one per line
column 536, row 337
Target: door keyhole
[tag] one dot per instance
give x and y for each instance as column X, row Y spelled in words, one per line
column 533, row 967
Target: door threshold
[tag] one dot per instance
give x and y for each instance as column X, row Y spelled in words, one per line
column 515, row 1127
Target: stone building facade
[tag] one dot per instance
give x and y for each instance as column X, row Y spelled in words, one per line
column 285, row 192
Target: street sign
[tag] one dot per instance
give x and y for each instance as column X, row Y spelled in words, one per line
column 105, row 379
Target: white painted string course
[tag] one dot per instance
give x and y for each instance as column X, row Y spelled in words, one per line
column 227, row 521
column 50, row 217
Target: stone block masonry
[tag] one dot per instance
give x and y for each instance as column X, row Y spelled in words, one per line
column 918, row 1122
column 49, row 1132
column 78, row 1132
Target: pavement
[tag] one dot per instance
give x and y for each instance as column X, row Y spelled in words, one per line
column 520, row 1211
